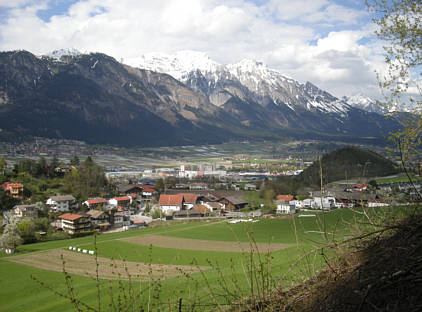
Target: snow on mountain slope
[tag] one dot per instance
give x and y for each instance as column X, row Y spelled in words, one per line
column 365, row 103
column 178, row 65
column 221, row 82
column 57, row 54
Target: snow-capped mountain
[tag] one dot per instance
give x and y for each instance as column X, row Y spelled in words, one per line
column 95, row 98
column 261, row 97
column 365, row 103
column 247, row 79
column 57, row 54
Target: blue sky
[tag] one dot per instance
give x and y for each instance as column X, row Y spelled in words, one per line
column 327, row 42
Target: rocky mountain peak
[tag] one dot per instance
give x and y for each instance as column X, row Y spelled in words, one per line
column 57, row 54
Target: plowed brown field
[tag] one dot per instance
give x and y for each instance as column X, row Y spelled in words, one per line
column 85, row 265
column 197, row 244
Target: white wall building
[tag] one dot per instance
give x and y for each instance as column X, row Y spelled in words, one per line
column 61, row 203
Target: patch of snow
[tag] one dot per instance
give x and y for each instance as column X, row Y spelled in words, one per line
column 95, row 64
column 57, row 54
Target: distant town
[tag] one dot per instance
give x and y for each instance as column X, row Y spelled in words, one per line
column 66, row 198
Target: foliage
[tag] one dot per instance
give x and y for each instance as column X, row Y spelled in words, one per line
column 74, row 161
column 87, row 180
column 156, row 213
column 159, row 185
column 346, row 163
column 6, row 201
column 3, row 165
column 400, row 27
column 27, row 230
column 11, row 236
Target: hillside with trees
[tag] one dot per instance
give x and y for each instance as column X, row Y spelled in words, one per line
column 347, row 163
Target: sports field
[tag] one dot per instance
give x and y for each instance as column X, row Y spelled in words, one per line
column 188, row 260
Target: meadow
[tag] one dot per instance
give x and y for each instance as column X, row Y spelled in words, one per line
column 225, row 276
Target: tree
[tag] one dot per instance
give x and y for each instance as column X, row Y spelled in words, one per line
column 74, row 161
column 400, row 27
column 27, row 231
column 159, row 185
column 3, row 166
column 11, row 237
column 87, row 180
column 6, row 201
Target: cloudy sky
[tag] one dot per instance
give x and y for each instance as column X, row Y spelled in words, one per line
column 328, row 42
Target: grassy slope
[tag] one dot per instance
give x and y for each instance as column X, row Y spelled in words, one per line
column 18, row 289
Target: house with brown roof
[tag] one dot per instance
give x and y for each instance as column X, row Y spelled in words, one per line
column 129, row 189
column 169, row 203
column 233, row 203
column 213, row 206
column 22, row 211
column 99, row 219
column 74, row 223
column 61, row 203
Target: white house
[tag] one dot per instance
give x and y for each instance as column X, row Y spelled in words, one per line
column 284, row 207
column 170, row 203
column 123, row 201
column 61, row 203
column 325, row 203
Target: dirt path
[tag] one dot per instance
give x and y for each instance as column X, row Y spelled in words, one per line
column 81, row 264
column 197, row 244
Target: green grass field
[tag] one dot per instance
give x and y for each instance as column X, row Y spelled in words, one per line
column 19, row 293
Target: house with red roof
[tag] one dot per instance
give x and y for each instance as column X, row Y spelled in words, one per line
column 285, row 198
column 190, row 200
column 15, row 189
column 147, row 191
column 202, row 209
column 74, row 223
column 123, row 201
column 169, row 203
column 96, row 203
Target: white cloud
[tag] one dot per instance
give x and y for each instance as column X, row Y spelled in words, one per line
column 16, row 3
column 277, row 32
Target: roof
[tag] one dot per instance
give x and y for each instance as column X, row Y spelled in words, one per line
column 94, row 201
column 190, row 198
column 286, row 198
column 95, row 213
column 126, row 187
column 171, row 200
column 236, row 200
column 214, row 205
column 201, row 208
column 70, row 216
column 62, row 198
column 12, row 184
column 24, row 207
column 122, row 198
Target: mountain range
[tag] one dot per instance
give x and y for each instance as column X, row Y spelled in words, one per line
column 169, row 100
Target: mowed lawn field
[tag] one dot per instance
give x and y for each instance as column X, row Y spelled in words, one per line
column 196, row 274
